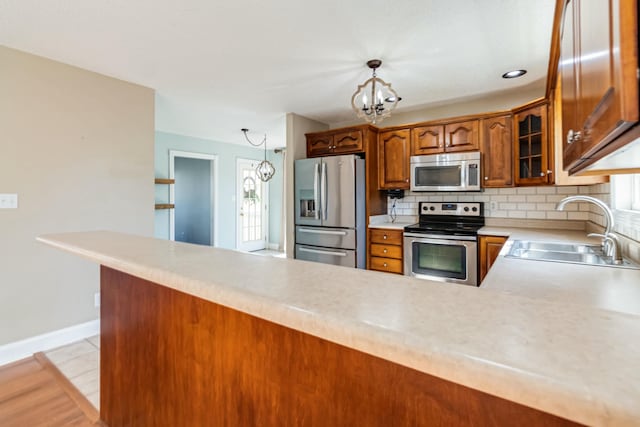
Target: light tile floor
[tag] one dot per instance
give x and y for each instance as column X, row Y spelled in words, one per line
column 269, row 252
column 80, row 363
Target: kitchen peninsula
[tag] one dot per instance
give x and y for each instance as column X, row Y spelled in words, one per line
column 194, row 335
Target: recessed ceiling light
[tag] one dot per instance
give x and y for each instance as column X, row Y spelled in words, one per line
column 513, row 74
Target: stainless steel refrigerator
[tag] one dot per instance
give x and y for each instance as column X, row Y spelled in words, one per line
column 330, row 210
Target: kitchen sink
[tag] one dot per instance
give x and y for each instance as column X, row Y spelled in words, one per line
column 577, row 253
column 527, row 245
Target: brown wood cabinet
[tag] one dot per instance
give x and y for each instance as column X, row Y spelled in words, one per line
column 532, row 152
column 393, row 152
column 497, row 151
column 427, row 140
column 385, row 250
column 339, row 141
column 445, row 138
column 319, row 144
column 490, row 247
column 598, row 67
column 462, row 136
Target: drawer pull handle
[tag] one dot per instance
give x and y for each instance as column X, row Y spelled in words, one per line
column 384, row 265
column 384, row 237
column 384, row 250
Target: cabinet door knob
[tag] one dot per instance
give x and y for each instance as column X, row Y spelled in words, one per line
column 384, row 251
column 486, row 178
column 384, row 265
column 573, row 136
column 549, row 171
column 542, row 174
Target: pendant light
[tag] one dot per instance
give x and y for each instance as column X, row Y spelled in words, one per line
column 265, row 169
column 374, row 99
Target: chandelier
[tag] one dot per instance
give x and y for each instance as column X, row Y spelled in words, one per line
column 265, row 169
column 374, row 99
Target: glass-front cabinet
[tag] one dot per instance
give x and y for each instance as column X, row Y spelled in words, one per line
column 532, row 162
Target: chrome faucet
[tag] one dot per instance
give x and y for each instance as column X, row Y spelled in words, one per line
column 610, row 242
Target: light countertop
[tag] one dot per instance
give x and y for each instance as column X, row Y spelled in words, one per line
column 572, row 360
column 605, row 287
column 384, row 221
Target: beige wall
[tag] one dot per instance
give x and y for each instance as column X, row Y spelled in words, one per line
column 77, row 147
column 297, row 126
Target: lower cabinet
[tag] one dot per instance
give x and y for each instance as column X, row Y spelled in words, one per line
column 490, row 247
column 385, row 250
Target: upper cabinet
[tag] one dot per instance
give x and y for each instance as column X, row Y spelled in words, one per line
column 497, row 151
column 340, row 141
column 445, row 138
column 427, row 140
column 319, row 144
column 532, row 161
column 462, row 136
column 599, row 76
column 393, row 151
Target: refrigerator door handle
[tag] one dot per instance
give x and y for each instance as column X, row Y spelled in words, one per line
column 316, row 191
column 332, row 232
column 324, row 252
column 323, row 190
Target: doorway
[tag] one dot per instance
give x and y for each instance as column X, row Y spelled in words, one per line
column 251, row 209
column 193, row 220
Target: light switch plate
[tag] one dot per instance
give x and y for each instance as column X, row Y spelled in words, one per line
column 8, row 201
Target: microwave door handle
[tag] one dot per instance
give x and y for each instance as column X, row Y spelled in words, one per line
column 323, row 190
column 463, row 175
column 316, row 191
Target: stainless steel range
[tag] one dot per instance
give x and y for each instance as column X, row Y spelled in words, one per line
column 444, row 244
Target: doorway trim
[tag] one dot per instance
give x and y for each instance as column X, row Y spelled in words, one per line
column 213, row 158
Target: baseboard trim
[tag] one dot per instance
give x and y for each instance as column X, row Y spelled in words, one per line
column 27, row 347
column 273, row 246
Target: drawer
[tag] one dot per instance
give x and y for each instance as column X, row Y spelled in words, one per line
column 389, row 265
column 388, row 251
column 386, row 236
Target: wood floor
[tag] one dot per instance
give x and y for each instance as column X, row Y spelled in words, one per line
column 34, row 393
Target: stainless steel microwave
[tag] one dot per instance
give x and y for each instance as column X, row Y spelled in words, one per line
column 446, row 172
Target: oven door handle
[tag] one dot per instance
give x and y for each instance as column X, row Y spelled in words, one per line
column 441, row 238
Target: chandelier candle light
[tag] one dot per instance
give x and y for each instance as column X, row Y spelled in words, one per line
column 265, row 169
column 374, row 99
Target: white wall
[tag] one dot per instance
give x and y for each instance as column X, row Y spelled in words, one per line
column 77, row 148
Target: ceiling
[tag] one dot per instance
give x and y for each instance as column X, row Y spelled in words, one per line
column 218, row 66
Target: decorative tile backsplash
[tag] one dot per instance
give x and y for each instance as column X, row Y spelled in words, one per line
column 529, row 203
column 518, row 202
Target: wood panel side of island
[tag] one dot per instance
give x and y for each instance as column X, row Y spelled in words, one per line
column 172, row 359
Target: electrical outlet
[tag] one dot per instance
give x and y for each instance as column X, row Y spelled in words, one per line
column 493, row 205
column 96, row 299
column 8, row 201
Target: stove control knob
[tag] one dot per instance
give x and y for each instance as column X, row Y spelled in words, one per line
column 432, row 208
column 466, row 208
column 474, row 209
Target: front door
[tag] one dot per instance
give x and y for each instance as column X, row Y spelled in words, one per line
column 251, row 196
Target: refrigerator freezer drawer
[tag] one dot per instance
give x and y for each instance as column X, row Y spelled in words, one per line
column 344, row 257
column 342, row 238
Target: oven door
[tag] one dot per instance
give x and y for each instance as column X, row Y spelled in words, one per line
column 452, row 259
